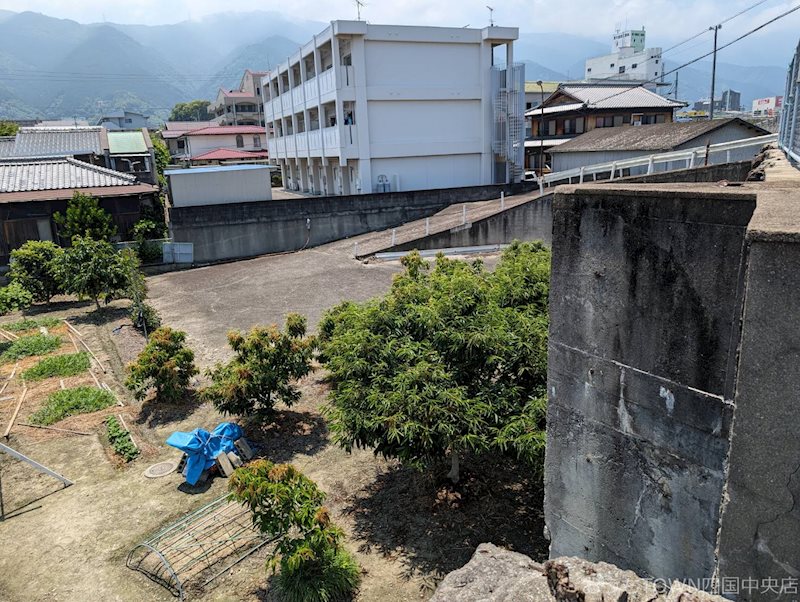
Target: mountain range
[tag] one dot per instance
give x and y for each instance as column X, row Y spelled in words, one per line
column 55, row 68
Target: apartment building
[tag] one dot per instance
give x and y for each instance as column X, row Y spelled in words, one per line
column 629, row 60
column 242, row 106
column 367, row 108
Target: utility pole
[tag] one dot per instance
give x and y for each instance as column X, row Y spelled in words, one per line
column 715, row 29
column 676, row 85
column 541, row 130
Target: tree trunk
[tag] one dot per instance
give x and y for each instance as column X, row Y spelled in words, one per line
column 97, row 303
column 453, row 474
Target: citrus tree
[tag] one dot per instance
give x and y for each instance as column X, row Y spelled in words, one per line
column 34, row 266
column 452, row 360
column 266, row 363
column 93, row 269
column 165, row 363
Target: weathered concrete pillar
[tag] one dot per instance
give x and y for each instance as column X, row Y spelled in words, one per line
column 643, row 339
column 760, row 535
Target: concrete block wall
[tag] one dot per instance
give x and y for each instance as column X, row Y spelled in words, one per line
column 674, row 381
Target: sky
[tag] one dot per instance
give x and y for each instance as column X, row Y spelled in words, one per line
column 666, row 21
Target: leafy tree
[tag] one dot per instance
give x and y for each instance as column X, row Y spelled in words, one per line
column 165, row 363
column 143, row 315
column 452, row 360
column 259, row 375
column 8, row 128
column 195, row 110
column 163, row 159
column 34, row 266
column 315, row 567
column 13, row 297
column 93, row 269
column 85, row 217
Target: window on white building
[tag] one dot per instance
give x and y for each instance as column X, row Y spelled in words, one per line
column 622, row 69
column 257, row 141
column 239, row 141
column 634, row 65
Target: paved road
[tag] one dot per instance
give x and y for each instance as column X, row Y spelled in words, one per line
column 207, row 302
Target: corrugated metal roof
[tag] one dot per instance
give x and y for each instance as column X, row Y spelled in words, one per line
column 658, row 137
column 185, row 126
column 618, row 97
column 57, row 174
column 49, row 142
column 573, row 106
column 222, row 130
column 221, row 154
column 215, row 168
column 126, row 143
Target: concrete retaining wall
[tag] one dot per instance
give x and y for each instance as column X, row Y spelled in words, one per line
column 239, row 230
column 674, row 382
column 534, row 220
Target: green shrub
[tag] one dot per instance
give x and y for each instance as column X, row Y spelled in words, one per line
column 31, row 323
column 165, row 363
column 85, row 218
column 261, row 372
column 14, row 297
column 34, row 344
column 34, row 266
column 69, row 364
column 314, row 566
column 144, row 317
column 120, row 439
column 69, row 402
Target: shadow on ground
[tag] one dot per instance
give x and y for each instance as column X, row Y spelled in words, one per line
column 287, row 434
column 157, row 413
column 434, row 527
column 106, row 314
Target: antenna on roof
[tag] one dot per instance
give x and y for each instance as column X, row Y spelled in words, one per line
column 359, row 5
column 491, row 16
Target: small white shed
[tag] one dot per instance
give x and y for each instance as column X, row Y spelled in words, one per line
column 219, row 185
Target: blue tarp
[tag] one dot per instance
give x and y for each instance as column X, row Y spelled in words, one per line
column 202, row 447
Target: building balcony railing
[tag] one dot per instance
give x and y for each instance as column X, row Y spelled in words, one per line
column 314, row 142
column 297, row 98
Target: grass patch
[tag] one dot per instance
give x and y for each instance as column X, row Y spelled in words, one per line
column 120, row 439
column 35, row 344
column 69, row 402
column 31, row 323
column 68, row 364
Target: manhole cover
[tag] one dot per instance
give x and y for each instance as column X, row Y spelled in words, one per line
column 160, row 470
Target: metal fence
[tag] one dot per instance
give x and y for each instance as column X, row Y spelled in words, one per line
column 789, row 137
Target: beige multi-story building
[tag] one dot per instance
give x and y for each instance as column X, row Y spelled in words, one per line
column 242, row 106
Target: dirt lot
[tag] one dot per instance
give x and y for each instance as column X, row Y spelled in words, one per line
column 407, row 529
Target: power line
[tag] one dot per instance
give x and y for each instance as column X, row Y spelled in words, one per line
column 707, row 54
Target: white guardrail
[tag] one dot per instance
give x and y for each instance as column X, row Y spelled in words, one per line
column 790, row 111
column 690, row 155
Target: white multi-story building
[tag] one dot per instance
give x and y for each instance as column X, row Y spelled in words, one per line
column 629, row 60
column 367, row 108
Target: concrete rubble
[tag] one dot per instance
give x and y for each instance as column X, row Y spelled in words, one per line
column 498, row 575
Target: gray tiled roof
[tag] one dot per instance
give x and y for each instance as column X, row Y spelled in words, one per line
column 57, row 174
column 619, row 97
column 658, row 137
column 49, row 142
column 6, row 146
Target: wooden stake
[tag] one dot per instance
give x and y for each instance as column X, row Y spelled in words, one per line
column 9, row 334
column 97, row 382
column 107, row 388
column 5, row 336
column 94, row 356
column 125, row 426
column 74, row 342
column 52, row 428
column 61, row 381
column 10, row 378
column 73, row 329
column 16, row 411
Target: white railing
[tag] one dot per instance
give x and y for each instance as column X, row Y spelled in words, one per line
column 327, row 81
column 314, row 140
column 790, row 112
column 692, row 156
column 301, row 141
column 331, row 137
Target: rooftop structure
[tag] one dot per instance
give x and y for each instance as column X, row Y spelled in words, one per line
column 629, row 60
column 57, row 174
